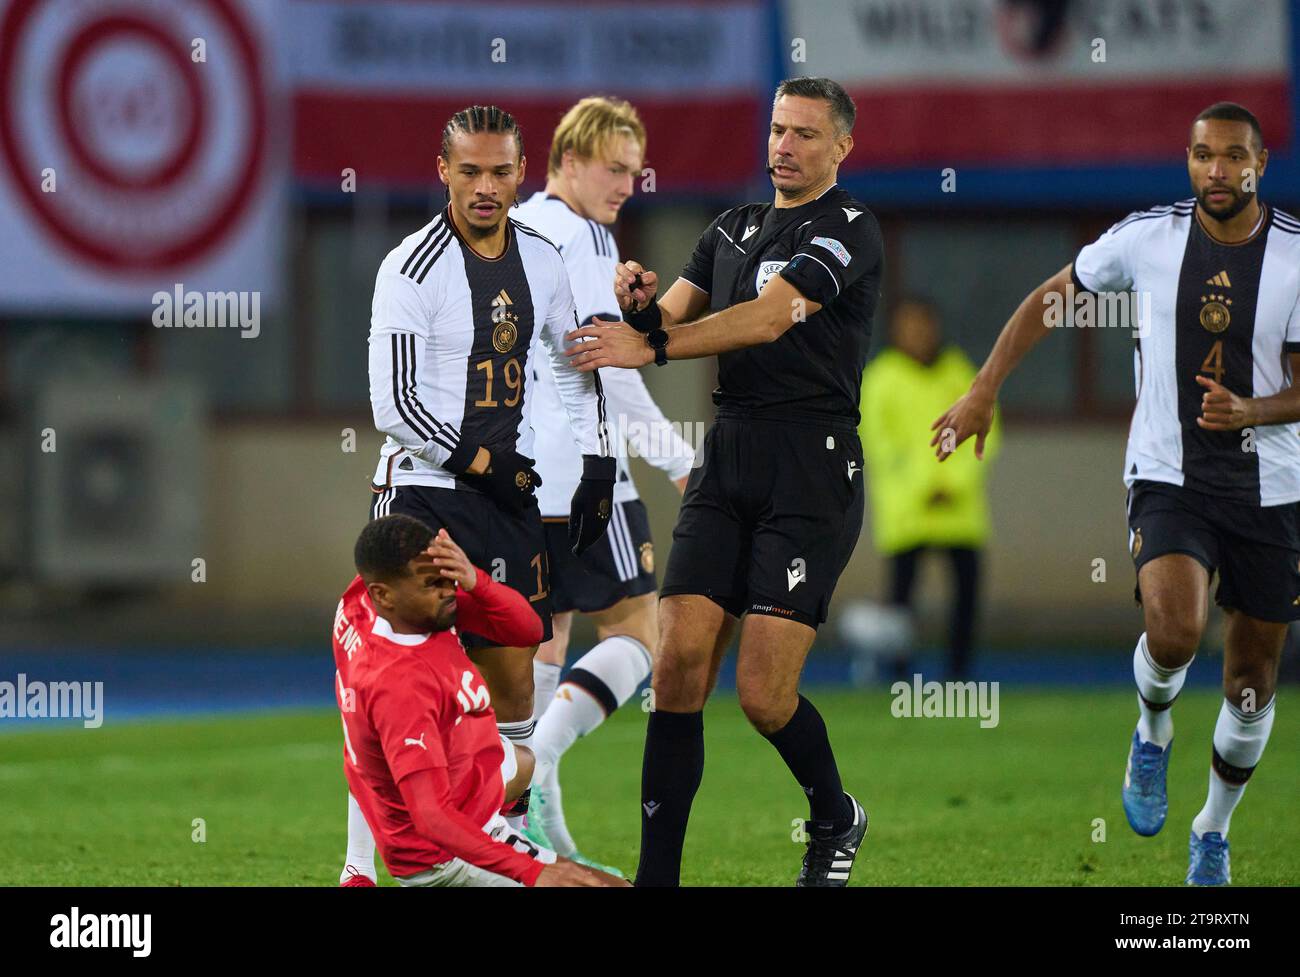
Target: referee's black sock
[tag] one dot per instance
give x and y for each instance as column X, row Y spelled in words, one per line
column 670, row 776
column 806, row 749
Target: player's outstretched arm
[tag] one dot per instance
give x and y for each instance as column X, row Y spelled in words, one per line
column 583, row 397
column 566, row 873
column 424, row 793
column 972, row 414
column 753, row 323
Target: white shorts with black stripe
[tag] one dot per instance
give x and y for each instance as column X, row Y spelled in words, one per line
column 459, row 873
column 621, row 564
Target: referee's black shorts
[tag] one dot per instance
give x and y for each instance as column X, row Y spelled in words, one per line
column 770, row 518
column 511, row 547
column 1255, row 549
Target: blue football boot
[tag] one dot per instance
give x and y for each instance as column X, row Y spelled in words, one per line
column 1207, row 862
column 1145, row 800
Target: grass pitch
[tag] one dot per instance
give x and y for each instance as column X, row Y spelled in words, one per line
column 950, row 803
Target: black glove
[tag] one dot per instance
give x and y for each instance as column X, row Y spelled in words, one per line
column 509, row 480
column 592, row 503
column 647, row 319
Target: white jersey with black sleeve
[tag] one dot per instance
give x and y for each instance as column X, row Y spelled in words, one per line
column 1230, row 312
column 590, row 255
column 453, row 340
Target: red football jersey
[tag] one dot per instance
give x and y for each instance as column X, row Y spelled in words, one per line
column 414, row 702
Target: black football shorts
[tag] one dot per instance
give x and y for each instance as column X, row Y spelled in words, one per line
column 620, row 564
column 770, row 518
column 1255, row 549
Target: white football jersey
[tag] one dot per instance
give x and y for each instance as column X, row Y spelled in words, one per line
column 454, row 338
column 1229, row 312
column 590, row 255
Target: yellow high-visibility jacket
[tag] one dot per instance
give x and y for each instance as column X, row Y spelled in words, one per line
column 900, row 400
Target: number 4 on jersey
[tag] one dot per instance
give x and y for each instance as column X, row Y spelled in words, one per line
column 1214, row 361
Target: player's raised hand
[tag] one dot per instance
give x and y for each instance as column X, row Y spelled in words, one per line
column 634, row 287
column 566, row 873
column 451, row 562
column 607, row 344
column 971, row 414
column 1221, row 409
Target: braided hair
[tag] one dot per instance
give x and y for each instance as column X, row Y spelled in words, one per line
column 481, row 118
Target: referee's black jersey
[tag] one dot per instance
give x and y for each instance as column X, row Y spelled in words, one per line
column 830, row 249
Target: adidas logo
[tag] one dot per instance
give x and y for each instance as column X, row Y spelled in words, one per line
column 1221, row 279
column 502, row 299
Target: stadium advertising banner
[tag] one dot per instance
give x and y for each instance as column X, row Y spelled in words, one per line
column 375, row 82
column 1023, row 83
column 137, row 152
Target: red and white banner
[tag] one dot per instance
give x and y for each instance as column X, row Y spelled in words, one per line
column 137, row 152
column 375, row 82
column 943, row 82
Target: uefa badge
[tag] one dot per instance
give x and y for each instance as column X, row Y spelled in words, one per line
column 766, row 270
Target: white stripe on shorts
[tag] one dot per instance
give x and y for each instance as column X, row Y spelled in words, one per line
column 620, row 539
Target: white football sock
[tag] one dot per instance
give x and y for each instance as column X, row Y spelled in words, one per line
column 545, row 678
column 1157, row 686
column 553, row 823
column 361, row 844
column 521, row 734
column 599, row 682
column 1239, row 741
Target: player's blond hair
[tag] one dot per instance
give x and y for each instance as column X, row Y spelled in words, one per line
column 590, row 126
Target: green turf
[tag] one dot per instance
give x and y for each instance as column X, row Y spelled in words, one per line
column 950, row 803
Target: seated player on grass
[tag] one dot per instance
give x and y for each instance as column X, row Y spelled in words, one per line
column 422, row 755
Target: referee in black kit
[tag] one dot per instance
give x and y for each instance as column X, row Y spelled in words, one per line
column 784, row 295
